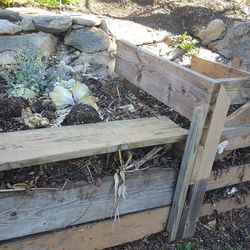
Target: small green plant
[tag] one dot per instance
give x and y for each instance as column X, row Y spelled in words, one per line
column 31, row 75
column 190, row 245
column 186, row 44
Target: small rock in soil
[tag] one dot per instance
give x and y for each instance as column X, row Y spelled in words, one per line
column 82, row 114
column 12, row 107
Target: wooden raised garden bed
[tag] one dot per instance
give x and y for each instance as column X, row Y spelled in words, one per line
column 156, row 197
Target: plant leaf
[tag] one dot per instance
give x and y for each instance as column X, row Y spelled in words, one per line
column 90, row 101
column 79, row 90
column 62, row 97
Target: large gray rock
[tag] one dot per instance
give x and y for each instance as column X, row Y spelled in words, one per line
column 89, row 40
column 86, row 20
column 52, row 24
column 9, row 28
column 42, row 42
column 9, row 15
column 27, row 23
column 236, row 43
column 132, row 32
column 212, row 32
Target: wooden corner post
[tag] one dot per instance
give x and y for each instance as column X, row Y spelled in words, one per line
column 184, row 214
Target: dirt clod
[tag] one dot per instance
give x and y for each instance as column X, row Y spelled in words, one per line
column 82, row 114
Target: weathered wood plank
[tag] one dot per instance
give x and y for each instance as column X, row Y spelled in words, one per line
column 210, row 142
column 21, row 214
column 227, row 177
column 186, row 169
column 40, row 146
column 176, row 86
column 237, row 128
column 98, row 235
column 214, row 69
column 240, row 117
column 237, row 137
column 238, row 89
column 224, row 206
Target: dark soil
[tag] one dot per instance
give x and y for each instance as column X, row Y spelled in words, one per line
column 229, row 231
column 90, row 169
column 81, row 114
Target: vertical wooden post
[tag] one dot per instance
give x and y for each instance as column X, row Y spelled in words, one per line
column 210, row 140
column 186, row 169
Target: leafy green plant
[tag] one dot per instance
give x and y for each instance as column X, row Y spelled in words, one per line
column 190, row 245
column 186, row 44
column 30, row 76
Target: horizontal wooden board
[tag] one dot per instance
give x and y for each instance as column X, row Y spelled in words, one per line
column 224, row 205
column 178, row 87
column 214, row 69
column 237, row 128
column 238, row 89
column 237, row 137
column 230, row 176
column 22, row 214
column 99, row 235
column 33, row 147
column 96, row 235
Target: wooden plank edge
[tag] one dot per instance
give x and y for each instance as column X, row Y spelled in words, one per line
column 99, row 235
column 225, row 70
column 238, row 88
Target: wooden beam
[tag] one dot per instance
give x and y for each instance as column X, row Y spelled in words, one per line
column 240, row 117
column 238, row 89
column 237, row 128
column 186, row 169
column 178, row 87
column 22, row 214
column 230, row 176
column 215, row 70
column 210, row 143
column 33, row 147
column 224, row 206
column 99, row 235
column 237, row 137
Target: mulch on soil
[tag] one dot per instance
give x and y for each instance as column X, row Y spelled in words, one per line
column 116, row 102
column 226, row 231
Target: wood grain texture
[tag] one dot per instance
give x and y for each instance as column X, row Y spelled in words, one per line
column 210, row 142
column 240, row 117
column 230, row 176
column 98, row 235
column 214, row 69
column 33, row 147
column 178, row 87
column 213, row 133
column 238, row 89
column 186, row 169
column 237, row 128
column 22, row 214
